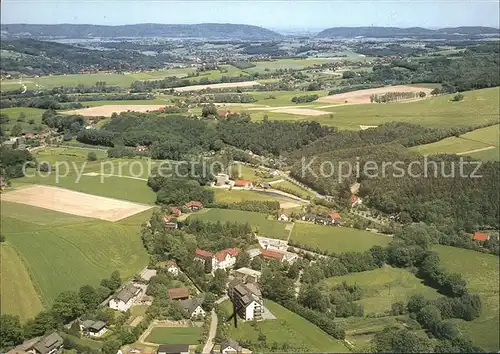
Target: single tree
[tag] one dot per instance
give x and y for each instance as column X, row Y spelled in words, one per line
column 89, row 297
column 68, row 306
column 91, row 156
column 16, row 130
column 242, row 260
column 458, row 97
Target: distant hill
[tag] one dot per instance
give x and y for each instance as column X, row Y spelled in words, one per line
column 392, row 32
column 204, row 30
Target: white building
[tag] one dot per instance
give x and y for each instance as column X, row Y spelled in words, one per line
column 125, row 298
column 247, row 298
column 172, row 268
column 193, row 307
column 283, row 217
column 230, row 346
column 224, row 259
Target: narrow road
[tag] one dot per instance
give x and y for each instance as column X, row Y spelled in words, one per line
column 476, row 150
column 211, row 334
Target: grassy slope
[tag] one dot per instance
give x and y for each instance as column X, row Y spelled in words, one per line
column 30, row 113
column 294, row 189
column 384, row 286
column 174, row 335
column 476, row 139
column 19, row 296
column 336, row 239
column 287, row 328
column 479, row 106
column 268, row 228
column 482, row 274
column 55, row 246
column 235, row 196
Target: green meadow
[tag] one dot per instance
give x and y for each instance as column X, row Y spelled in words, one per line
column 259, row 221
column 288, row 328
column 336, row 239
column 175, row 335
column 52, row 247
column 482, row 274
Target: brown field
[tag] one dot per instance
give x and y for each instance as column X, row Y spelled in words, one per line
column 108, row 110
column 75, row 203
column 215, row 86
column 363, row 96
column 301, row 111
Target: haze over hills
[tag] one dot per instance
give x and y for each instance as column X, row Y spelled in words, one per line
column 349, row 32
column 205, row 30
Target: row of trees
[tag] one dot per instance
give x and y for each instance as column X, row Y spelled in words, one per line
column 304, row 98
column 396, row 96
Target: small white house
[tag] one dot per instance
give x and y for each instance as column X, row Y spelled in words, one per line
column 230, row 346
column 283, row 217
column 125, row 298
column 172, row 268
column 193, row 307
column 225, row 259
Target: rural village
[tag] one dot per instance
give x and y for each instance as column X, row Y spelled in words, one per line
column 197, row 189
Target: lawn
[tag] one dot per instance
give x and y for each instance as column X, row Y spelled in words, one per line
column 251, row 174
column 54, row 247
column 288, row 328
column 259, row 221
column 122, row 80
column 237, row 195
column 451, row 145
column 476, row 139
column 292, row 188
column 175, row 335
column 336, row 239
column 478, row 107
column 360, row 330
column 74, row 154
column 482, row 274
column 384, row 286
column 30, row 113
column 19, row 296
column 261, row 66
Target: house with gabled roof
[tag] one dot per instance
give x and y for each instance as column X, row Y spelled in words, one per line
column 242, row 183
column 51, row 344
column 178, row 293
column 230, row 346
column 193, row 307
column 480, row 236
column 125, row 297
column 194, row 205
column 93, row 328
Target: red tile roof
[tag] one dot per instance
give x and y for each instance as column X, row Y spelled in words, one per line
column 166, row 219
column 175, row 211
column 222, row 254
column 203, row 253
column 272, row 254
column 241, row 182
column 354, row 199
column 178, row 293
column 194, row 203
column 480, row 236
column 335, row 216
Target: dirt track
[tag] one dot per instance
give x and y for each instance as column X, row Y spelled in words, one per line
column 108, row 110
column 75, row 203
column 301, row 111
column 363, row 96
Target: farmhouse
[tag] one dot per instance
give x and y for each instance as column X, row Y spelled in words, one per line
column 93, row 328
column 225, row 259
column 51, row 344
column 221, row 260
column 125, row 298
column 283, row 217
column 334, row 218
column 247, row 299
column 141, row 148
column 173, row 349
column 241, row 183
column 193, row 307
column 289, row 257
column 178, row 293
column 176, row 211
column 194, row 205
column 169, row 224
column 480, row 236
column 230, row 346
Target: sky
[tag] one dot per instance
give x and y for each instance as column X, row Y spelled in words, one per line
column 283, row 14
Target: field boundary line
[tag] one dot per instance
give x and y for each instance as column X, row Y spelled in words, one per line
column 36, row 285
column 476, row 150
